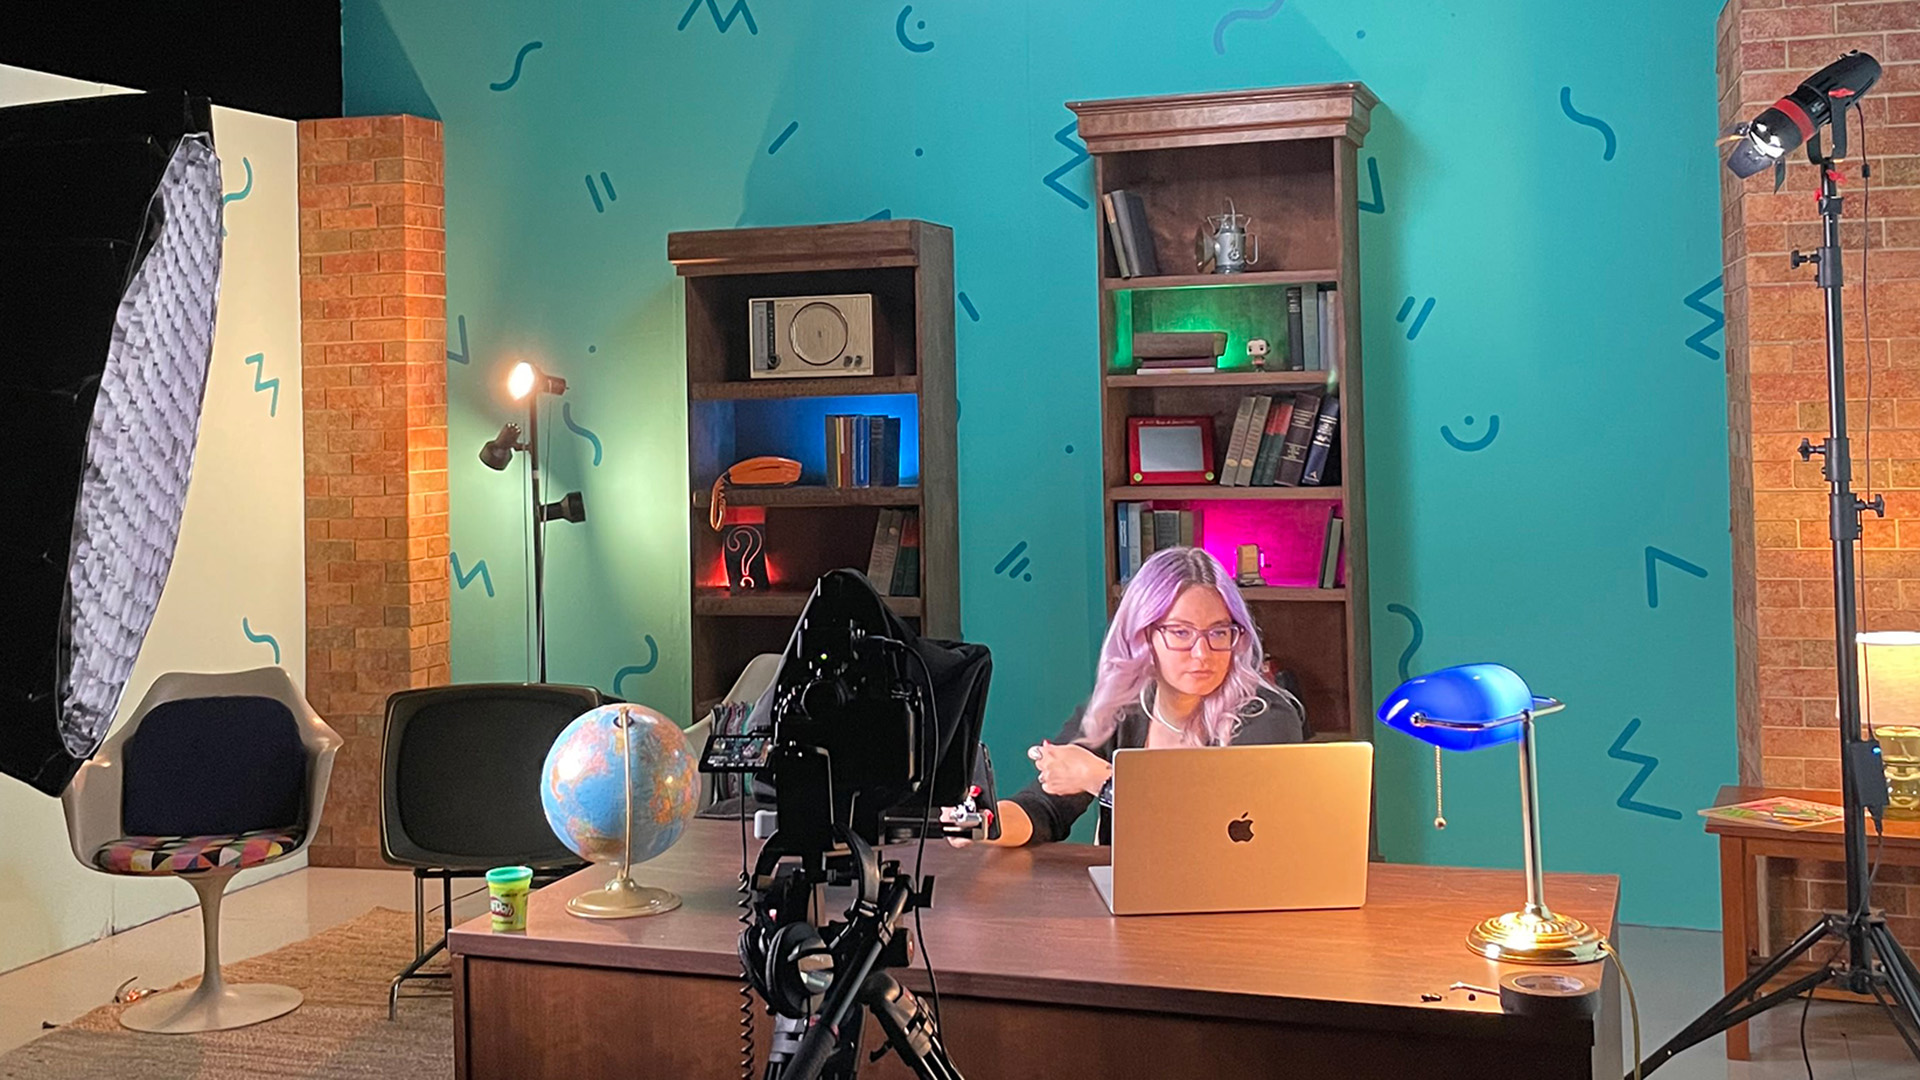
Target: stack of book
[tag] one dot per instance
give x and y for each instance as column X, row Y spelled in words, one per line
column 1310, row 329
column 1132, row 240
column 1143, row 530
column 894, row 565
column 1187, row 350
column 863, row 451
column 1284, row 440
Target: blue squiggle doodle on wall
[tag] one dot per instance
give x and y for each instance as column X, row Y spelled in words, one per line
column 1619, row 752
column 780, row 140
column 518, row 59
column 1011, row 568
column 1493, row 432
column 653, row 661
column 1654, row 557
column 966, row 304
column 258, row 361
column 1697, row 301
column 461, row 356
column 566, row 415
column 1378, row 204
column 724, row 22
column 1594, row 122
column 1065, row 137
column 900, row 31
column 236, row 196
column 598, row 206
column 1413, row 644
column 1231, row 17
column 465, row 579
column 1419, row 320
column 260, row 639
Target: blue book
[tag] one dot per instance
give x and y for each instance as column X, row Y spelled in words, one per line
column 862, row 451
column 1121, row 547
column 884, row 463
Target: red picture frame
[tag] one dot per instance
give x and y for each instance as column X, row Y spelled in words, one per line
column 1177, row 450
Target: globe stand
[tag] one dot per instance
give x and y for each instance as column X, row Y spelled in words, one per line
column 622, row 897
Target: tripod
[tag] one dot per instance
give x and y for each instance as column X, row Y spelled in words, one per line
column 1865, row 959
column 817, row 1034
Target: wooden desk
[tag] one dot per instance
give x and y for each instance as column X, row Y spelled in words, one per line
column 1037, row 980
column 1743, row 901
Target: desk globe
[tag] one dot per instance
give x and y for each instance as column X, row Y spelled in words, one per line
column 619, row 786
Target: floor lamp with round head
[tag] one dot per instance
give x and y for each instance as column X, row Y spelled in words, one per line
column 528, row 383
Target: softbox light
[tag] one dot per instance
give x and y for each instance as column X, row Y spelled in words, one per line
column 110, row 251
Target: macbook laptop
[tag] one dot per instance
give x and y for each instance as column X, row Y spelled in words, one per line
column 1239, row 828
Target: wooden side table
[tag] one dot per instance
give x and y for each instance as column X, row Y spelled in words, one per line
column 1743, row 898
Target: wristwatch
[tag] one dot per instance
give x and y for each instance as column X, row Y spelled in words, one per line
column 1106, row 793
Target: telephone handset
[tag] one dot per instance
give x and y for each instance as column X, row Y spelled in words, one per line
column 753, row 472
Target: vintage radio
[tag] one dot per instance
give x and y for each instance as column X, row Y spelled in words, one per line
column 796, row 337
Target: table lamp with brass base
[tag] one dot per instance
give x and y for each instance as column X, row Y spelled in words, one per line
column 622, row 897
column 1471, row 707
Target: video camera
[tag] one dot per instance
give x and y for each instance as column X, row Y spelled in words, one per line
column 867, row 729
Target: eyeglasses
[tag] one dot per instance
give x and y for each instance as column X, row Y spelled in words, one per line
column 1183, row 637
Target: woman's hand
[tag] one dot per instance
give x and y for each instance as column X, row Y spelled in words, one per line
column 1071, row 769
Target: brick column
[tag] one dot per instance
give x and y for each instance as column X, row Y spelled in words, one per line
column 373, row 323
column 1776, row 384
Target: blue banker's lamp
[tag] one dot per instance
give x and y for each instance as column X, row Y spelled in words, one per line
column 1471, row 707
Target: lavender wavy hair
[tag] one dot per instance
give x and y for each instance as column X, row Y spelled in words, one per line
column 1127, row 664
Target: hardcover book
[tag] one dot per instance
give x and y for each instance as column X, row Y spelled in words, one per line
column 1266, row 462
column 1324, row 431
column 1293, row 454
column 1296, row 332
column 906, row 567
column 1230, row 470
column 1124, row 268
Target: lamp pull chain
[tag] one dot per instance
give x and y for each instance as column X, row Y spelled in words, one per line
column 1439, row 811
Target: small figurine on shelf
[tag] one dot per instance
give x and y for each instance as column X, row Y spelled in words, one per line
column 1257, row 353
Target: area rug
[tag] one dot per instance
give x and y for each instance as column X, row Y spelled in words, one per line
column 341, row 1031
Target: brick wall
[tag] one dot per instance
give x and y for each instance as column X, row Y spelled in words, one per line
column 1776, row 384
column 373, row 319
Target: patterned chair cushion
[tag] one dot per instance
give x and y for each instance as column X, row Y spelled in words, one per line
column 192, row 854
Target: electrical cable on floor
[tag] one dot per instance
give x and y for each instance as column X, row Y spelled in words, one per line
column 1806, row 1058
column 1633, row 1005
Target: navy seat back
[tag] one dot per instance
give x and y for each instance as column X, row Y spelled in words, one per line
column 213, row 766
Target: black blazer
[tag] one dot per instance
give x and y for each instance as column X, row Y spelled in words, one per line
column 1280, row 720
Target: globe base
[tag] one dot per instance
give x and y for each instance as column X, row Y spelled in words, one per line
column 621, row 898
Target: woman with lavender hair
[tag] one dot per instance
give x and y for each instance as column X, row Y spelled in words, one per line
column 1180, row 667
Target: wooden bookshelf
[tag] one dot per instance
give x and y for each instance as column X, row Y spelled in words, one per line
column 1285, row 156
column 811, row 527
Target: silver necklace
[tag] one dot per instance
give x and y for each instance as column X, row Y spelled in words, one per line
column 1153, row 710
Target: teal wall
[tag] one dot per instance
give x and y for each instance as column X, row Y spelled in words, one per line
column 1558, row 416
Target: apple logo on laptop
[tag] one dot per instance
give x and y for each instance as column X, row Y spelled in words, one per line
column 1240, row 831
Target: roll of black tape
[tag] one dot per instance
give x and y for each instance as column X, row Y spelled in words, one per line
column 1549, row 993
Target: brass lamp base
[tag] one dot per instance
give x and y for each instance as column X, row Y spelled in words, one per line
column 1521, row 938
column 621, row 898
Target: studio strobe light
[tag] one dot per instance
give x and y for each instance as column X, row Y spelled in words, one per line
column 110, row 250
column 1859, row 953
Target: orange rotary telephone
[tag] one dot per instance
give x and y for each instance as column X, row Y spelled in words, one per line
column 753, row 472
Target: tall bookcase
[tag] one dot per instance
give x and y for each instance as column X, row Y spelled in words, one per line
column 1286, row 157
column 811, row 527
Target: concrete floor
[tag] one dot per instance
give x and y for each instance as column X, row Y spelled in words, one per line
column 1676, row 972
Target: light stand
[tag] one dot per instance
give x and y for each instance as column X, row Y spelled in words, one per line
column 527, row 382
column 1866, row 958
